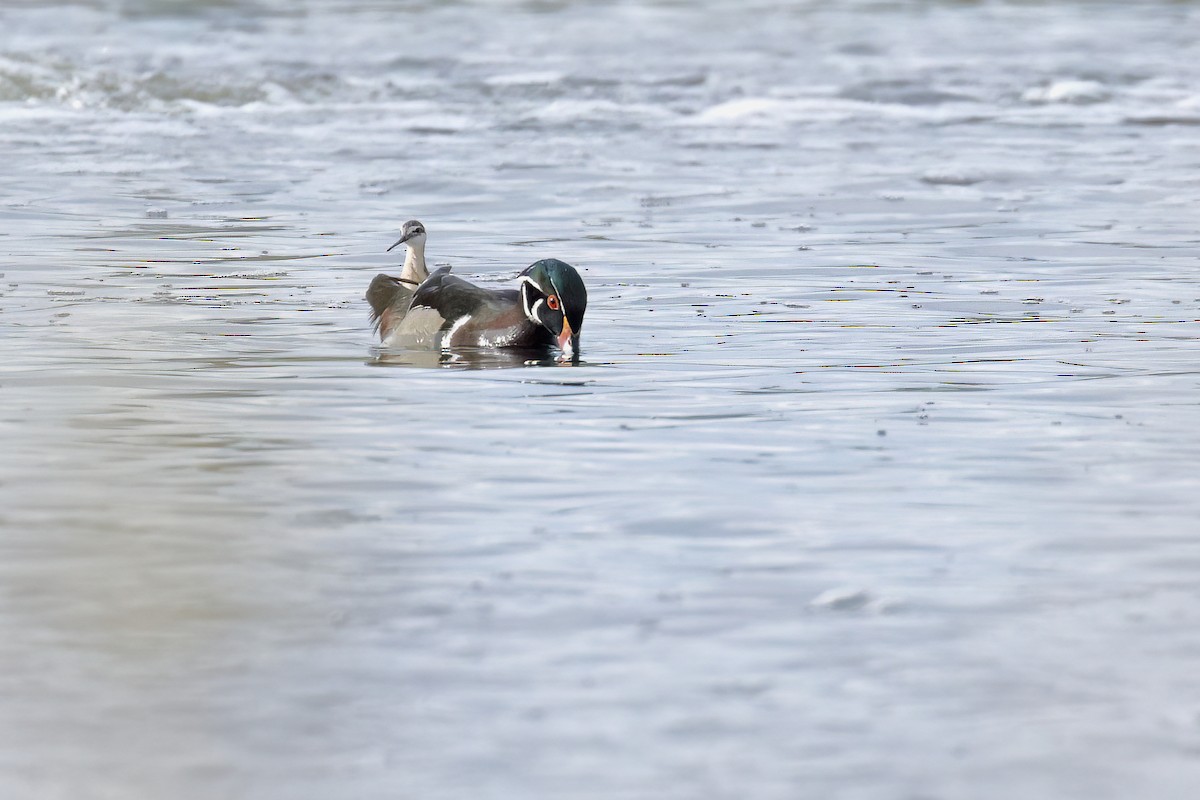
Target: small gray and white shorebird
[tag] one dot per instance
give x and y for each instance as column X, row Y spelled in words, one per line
column 412, row 274
column 438, row 310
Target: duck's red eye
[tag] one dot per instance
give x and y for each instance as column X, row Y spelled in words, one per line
column 552, row 301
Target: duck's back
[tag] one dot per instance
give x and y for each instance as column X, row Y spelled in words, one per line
column 447, row 311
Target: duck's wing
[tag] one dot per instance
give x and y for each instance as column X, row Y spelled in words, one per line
column 450, row 296
column 433, row 309
column 447, row 310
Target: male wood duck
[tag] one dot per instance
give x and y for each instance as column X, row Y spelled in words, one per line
column 444, row 311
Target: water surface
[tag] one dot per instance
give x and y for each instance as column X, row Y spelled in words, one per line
column 878, row 479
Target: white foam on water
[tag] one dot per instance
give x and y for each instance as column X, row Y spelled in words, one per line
column 566, row 111
column 1068, row 91
column 525, row 78
column 783, row 111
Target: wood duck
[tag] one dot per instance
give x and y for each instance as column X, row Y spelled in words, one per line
column 443, row 311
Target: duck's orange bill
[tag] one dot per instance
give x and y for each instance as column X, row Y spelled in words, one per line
column 565, row 336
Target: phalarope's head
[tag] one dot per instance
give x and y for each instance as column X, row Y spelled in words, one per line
column 413, row 231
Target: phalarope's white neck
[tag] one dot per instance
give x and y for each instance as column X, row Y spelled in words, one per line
column 414, row 262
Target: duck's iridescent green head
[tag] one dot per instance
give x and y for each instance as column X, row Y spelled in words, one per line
column 553, row 295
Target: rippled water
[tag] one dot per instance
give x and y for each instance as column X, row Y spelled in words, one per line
column 879, row 478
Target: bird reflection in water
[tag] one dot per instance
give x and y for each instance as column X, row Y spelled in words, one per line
column 472, row 358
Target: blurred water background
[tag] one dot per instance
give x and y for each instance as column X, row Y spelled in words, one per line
column 879, row 479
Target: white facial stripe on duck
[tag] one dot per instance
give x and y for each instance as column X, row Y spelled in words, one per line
column 546, row 310
column 527, row 282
